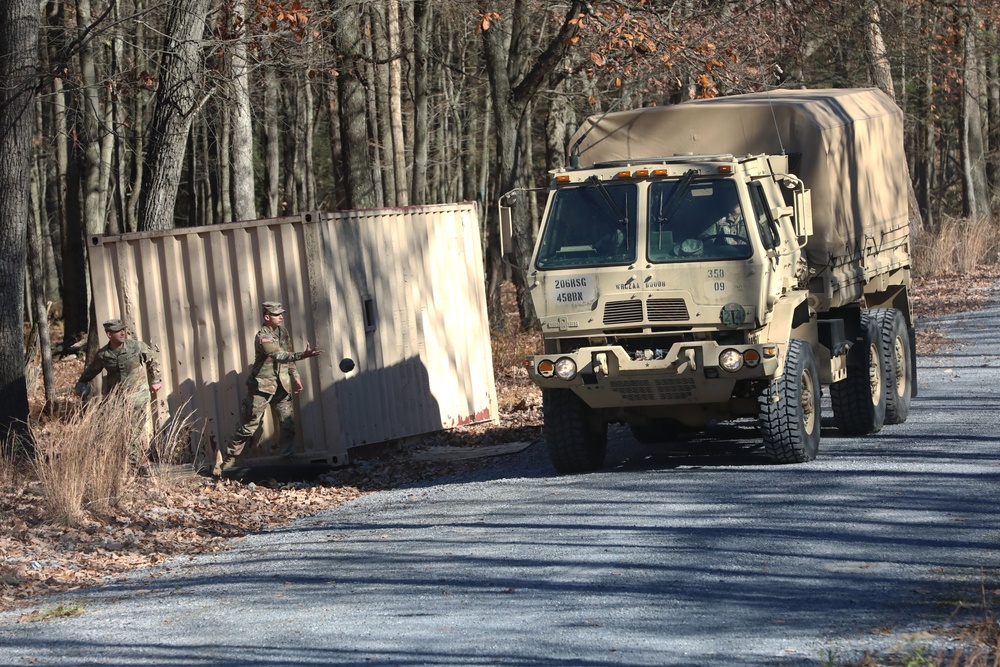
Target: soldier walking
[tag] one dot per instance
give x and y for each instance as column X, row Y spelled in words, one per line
column 131, row 364
column 273, row 378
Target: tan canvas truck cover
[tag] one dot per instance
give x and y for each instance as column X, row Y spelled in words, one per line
column 846, row 146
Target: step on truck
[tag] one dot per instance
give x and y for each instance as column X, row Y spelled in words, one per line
column 723, row 259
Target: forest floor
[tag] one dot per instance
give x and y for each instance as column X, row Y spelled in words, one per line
column 184, row 514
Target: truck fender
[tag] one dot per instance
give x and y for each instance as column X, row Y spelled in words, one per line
column 790, row 317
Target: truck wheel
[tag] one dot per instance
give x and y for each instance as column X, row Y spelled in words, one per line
column 790, row 408
column 897, row 366
column 859, row 400
column 576, row 437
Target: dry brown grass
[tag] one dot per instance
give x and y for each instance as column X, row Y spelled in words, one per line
column 91, row 459
column 83, row 461
column 957, row 246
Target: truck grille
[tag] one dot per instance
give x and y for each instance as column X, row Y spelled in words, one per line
column 667, row 310
column 633, row 390
column 675, row 388
column 623, row 312
column 644, row 390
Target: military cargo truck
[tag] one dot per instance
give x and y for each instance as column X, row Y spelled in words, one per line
column 722, row 259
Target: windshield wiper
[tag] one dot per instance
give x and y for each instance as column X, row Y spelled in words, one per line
column 673, row 202
column 622, row 217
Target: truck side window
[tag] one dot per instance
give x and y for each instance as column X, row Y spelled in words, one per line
column 762, row 214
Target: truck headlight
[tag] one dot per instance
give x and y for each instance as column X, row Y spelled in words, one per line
column 731, row 360
column 566, row 368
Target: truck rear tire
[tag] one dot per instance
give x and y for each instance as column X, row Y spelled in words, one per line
column 790, row 408
column 577, row 438
column 859, row 401
column 897, row 365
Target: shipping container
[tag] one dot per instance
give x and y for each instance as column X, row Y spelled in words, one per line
column 398, row 290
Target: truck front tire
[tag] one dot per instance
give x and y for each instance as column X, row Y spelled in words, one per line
column 859, row 401
column 897, row 365
column 577, row 438
column 790, row 408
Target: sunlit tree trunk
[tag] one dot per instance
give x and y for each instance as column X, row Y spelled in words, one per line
column 272, row 143
column 244, row 198
column 421, row 20
column 396, row 105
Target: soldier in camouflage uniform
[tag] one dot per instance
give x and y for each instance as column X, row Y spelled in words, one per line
column 273, row 378
column 129, row 363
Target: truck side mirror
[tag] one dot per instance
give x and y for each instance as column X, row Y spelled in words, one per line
column 802, row 204
column 505, row 217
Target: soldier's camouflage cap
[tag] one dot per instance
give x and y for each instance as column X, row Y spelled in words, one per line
column 114, row 325
column 273, row 307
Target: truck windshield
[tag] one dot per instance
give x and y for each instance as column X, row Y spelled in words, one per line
column 591, row 225
column 704, row 221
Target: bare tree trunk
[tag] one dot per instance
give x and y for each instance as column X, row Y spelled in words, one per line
column 272, row 143
column 396, row 105
column 138, row 124
column 290, row 149
column 333, row 137
column 307, row 129
column 993, row 118
column 227, row 170
column 378, row 100
column 53, row 169
column 977, row 199
column 361, row 190
column 879, row 70
column 36, row 271
column 880, row 73
column 94, row 213
column 421, row 33
column 176, row 104
column 18, row 49
column 376, row 131
column 244, row 198
column 510, row 98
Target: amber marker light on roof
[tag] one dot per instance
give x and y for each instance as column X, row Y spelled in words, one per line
column 562, row 179
column 624, row 174
column 725, row 169
column 641, row 173
column 659, row 172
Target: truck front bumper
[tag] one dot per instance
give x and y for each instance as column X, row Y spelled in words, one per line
column 687, row 373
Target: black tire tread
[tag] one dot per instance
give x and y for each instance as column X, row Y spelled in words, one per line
column 890, row 326
column 575, row 438
column 780, row 409
column 854, row 412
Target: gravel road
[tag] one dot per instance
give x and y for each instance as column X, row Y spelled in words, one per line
column 708, row 556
